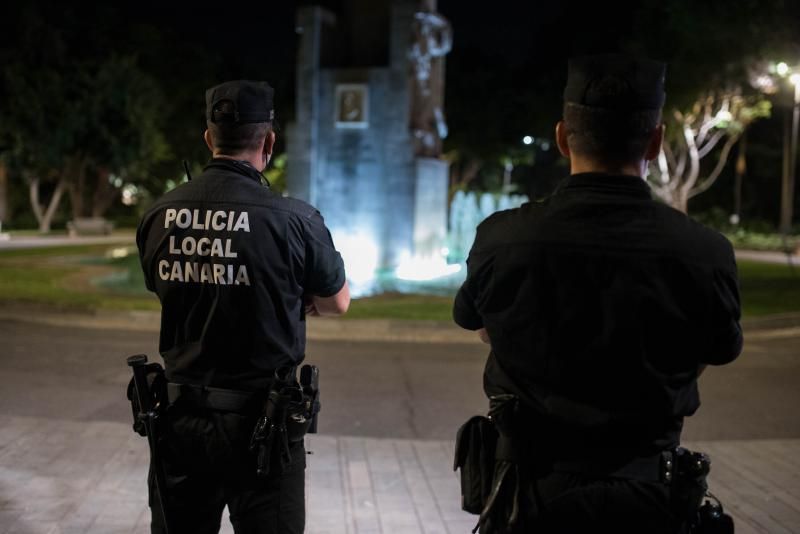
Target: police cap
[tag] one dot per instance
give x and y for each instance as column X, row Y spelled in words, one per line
column 250, row 102
column 615, row 81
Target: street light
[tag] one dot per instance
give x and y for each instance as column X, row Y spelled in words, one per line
column 790, row 151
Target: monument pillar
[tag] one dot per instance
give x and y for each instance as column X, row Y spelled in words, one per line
column 430, row 207
column 304, row 132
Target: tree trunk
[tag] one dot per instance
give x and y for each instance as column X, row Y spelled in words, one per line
column 75, row 170
column 104, row 194
column 4, row 214
column 45, row 216
column 741, row 170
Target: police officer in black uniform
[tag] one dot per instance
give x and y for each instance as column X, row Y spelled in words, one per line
column 602, row 307
column 237, row 268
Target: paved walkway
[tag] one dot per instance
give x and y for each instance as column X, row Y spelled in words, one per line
column 65, row 477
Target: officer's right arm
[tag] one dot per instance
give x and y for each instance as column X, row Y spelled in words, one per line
column 141, row 244
column 465, row 309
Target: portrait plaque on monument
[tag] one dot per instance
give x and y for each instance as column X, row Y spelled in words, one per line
column 352, row 106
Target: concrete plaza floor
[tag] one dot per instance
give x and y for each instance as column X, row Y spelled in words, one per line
column 69, row 462
column 68, row 477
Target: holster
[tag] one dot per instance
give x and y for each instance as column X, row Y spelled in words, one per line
column 288, row 415
column 490, row 472
column 476, row 442
column 157, row 387
column 690, row 496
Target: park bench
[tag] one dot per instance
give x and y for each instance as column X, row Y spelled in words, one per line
column 89, row 226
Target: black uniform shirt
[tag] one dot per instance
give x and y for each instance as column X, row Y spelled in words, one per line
column 600, row 304
column 230, row 261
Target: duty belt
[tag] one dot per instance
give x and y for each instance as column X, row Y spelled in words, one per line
column 659, row 467
column 219, row 399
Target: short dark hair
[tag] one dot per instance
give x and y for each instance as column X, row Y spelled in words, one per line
column 231, row 138
column 609, row 136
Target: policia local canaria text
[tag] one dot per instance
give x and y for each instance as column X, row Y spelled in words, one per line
column 204, row 272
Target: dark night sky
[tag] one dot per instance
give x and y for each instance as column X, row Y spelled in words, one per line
column 520, row 37
column 508, row 49
column 506, row 71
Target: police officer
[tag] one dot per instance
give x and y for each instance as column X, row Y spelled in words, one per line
column 602, row 307
column 237, row 268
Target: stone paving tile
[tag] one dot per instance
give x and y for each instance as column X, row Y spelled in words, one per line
column 70, row 477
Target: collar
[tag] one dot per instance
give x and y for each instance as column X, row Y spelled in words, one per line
column 610, row 183
column 238, row 166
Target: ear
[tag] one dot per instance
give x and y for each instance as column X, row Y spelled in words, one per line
column 269, row 143
column 654, row 144
column 209, row 141
column 561, row 139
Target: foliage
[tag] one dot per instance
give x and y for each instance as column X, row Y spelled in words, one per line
column 86, row 122
column 276, row 173
column 747, row 240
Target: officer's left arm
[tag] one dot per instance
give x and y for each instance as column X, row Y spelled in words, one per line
column 325, row 283
column 725, row 313
column 336, row 304
column 484, row 335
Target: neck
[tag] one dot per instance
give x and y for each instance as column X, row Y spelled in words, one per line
column 578, row 166
column 253, row 159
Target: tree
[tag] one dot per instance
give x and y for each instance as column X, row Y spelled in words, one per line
column 123, row 137
column 77, row 124
column 708, row 130
column 40, row 129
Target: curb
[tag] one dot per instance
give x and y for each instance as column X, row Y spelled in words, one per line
column 780, row 326
column 318, row 329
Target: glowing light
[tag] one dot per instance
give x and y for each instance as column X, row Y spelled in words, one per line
column 360, row 255
column 416, row 269
column 782, row 69
column 120, row 252
column 795, row 78
column 130, row 195
column 724, row 115
column 528, row 140
column 765, row 83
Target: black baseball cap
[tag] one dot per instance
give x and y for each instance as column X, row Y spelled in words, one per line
column 251, row 102
column 616, row 81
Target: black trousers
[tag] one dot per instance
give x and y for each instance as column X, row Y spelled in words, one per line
column 556, row 503
column 572, row 503
column 208, row 466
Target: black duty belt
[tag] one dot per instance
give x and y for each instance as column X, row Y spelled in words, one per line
column 658, row 467
column 219, row 399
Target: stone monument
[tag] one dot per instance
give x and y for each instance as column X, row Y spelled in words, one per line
column 365, row 146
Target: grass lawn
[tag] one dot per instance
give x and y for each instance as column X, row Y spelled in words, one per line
column 769, row 288
column 88, row 278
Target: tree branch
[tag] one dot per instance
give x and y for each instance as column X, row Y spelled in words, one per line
column 694, row 162
column 723, row 159
column 711, row 143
